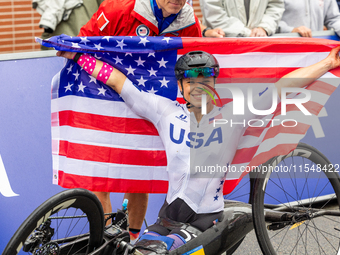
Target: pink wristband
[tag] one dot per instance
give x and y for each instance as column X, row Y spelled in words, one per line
column 104, row 73
column 87, row 62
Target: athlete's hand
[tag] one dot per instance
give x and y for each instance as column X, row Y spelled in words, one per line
column 66, row 54
column 333, row 59
column 216, row 32
column 303, row 31
column 258, row 32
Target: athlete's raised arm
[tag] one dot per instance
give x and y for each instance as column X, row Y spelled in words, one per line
column 98, row 69
column 306, row 75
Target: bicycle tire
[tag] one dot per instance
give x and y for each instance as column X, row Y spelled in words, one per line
column 61, row 209
column 313, row 235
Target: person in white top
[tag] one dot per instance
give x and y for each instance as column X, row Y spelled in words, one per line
column 303, row 17
column 189, row 139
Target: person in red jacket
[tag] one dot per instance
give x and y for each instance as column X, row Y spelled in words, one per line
column 142, row 18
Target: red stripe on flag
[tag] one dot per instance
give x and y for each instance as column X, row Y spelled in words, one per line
column 251, row 75
column 112, row 155
column 107, row 123
column 312, row 107
column 299, row 129
column 254, row 131
column 71, row 181
column 280, row 149
column 244, row 45
column 335, row 71
column 244, row 155
column 229, row 186
column 54, row 119
column 322, row 87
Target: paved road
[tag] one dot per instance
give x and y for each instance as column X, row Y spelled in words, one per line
column 250, row 245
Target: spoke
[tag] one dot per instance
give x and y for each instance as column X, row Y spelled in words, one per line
column 287, row 229
column 240, row 187
column 327, row 217
column 316, row 239
column 282, row 190
column 313, row 196
column 294, row 182
column 298, row 240
column 323, row 231
column 234, row 198
column 285, row 192
column 316, row 228
column 316, row 234
column 320, row 193
column 68, row 229
column 306, row 183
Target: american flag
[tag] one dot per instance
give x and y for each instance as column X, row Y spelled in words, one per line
column 100, row 145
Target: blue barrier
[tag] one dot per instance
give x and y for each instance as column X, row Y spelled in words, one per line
column 25, row 144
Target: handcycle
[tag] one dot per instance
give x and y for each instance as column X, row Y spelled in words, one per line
column 302, row 220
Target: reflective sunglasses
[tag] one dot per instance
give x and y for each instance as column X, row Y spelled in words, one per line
column 194, row 72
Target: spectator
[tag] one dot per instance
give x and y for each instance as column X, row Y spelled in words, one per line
column 64, row 16
column 243, row 18
column 140, row 18
column 303, row 17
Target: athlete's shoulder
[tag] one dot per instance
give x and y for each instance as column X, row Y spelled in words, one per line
column 115, row 7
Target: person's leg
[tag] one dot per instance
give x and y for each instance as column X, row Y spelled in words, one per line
column 104, row 198
column 137, row 205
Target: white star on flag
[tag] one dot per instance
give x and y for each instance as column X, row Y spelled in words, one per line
column 69, row 69
column 130, row 70
column 98, row 46
column 97, row 57
column 141, row 81
column 152, row 91
column 143, row 40
column 140, row 62
column 81, row 87
column 101, row 91
column 162, row 63
column 164, row 82
column 92, row 79
column 84, row 40
column 75, row 45
column 121, row 44
column 68, row 87
column 167, row 39
column 152, row 54
column 118, row 60
column 76, row 75
column 152, row 72
column 107, row 37
column 128, row 54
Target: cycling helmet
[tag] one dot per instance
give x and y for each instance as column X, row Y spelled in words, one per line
column 194, row 63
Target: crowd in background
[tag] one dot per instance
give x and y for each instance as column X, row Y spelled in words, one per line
column 237, row 18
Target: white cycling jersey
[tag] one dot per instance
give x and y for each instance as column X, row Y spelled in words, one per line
column 190, row 145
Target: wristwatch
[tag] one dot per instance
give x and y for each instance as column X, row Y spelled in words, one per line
column 205, row 30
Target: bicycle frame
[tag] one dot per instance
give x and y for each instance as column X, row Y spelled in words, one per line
column 237, row 222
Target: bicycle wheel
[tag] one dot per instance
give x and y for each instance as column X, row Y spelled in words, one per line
column 295, row 190
column 70, row 222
